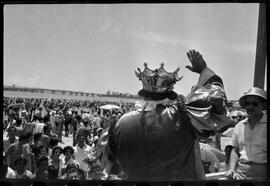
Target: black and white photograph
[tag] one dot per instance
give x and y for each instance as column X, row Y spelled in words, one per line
column 135, row 92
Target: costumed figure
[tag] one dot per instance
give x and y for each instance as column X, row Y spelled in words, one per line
column 159, row 140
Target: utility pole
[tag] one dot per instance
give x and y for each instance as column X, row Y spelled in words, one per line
column 260, row 61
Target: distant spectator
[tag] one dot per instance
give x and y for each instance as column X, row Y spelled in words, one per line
column 56, row 163
column 81, row 152
column 11, row 137
column 42, row 168
column 8, row 172
column 43, row 151
column 17, row 150
column 20, row 169
column 47, row 130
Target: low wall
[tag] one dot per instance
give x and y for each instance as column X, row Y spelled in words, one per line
column 58, row 96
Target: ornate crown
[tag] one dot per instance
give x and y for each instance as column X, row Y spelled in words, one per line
column 158, row 80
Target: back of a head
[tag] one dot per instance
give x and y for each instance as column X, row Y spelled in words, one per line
column 37, row 136
column 54, row 141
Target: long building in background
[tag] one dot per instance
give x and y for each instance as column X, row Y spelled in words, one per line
column 27, row 92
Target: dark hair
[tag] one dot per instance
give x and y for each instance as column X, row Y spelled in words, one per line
column 28, row 135
column 22, row 137
column 41, row 147
column 37, row 136
column 53, row 141
column 18, row 121
column 78, row 117
column 55, row 148
column 36, row 117
column 41, row 159
column 68, row 148
column 21, row 159
column 46, row 118
column 228, row 147
column 45, row 128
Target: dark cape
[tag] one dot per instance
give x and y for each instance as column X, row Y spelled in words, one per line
column 159, row 141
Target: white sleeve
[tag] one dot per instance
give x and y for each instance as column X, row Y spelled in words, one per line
column 235, row 141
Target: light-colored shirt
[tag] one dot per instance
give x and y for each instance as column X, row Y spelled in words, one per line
column 97, row 121
column 80, row 154
column 10, row 173
column 52, row 120
column 252, row 143
column 38, row 128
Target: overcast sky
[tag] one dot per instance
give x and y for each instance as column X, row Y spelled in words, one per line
column 97, row 47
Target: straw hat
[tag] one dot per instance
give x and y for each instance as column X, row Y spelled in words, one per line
column 254, row 91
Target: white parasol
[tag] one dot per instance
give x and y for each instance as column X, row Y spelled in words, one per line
column 109, row 107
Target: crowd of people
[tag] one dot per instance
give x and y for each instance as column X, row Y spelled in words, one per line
column 167, row 136
column 34, row 130
column 33, row 145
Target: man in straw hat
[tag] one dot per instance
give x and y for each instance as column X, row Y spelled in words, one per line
column 158, row 141
column 249, row 155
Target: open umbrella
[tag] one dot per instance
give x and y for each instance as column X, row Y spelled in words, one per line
column 220, row 155
column 109, row 107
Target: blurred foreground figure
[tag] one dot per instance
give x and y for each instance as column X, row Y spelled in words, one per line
column 158, row 141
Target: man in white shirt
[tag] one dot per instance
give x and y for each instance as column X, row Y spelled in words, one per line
column 249, row 155
column 38, row 125
column 82, row 151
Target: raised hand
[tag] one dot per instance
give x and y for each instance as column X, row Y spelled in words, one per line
column 197, row 61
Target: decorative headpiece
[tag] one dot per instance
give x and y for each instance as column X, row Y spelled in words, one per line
column 158, row 81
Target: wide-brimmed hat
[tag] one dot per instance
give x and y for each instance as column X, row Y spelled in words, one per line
column 254, row 91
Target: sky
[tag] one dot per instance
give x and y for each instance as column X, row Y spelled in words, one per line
column 97, row 47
